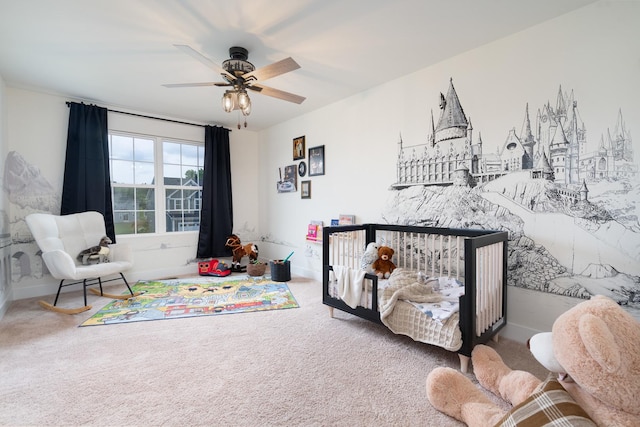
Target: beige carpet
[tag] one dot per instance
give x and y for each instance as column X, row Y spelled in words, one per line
column 293, row 367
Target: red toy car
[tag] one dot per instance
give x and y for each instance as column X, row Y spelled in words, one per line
column 213, row 267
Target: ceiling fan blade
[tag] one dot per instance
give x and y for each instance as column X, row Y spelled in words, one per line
column 273, row 70
column 276, row 93
column 170, row 85
column 206, row 61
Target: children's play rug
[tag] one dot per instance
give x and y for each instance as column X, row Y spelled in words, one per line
column 201, row 296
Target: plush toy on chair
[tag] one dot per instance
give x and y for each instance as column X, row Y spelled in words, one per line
column 594, row 349
column 96, row 254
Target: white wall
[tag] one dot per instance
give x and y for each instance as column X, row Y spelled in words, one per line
column 37, row 130
column 5, row 232
column 593, row 51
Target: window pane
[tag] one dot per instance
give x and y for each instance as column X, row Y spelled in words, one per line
column 191, row 200
column 124, row 222
column 145, row 199
column 173, row 199
column 144, row 150
column 174, row 220
column 189, row 155
column 144, row 173
column 121, row 147
column 123, row 199
column 122, row 172
column 146, row 222
column 172, row 174
column 192, row 175
column 171, row 153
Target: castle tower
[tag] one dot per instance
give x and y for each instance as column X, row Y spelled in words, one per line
column 558, row 150
column 527, row 140
column 452, row 123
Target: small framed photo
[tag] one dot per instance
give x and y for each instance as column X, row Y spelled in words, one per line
column 305, row 189
column 316, row 161
column 298, row 148
column 302, row 169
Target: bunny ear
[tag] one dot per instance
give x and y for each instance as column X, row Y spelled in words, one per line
column 599, row 342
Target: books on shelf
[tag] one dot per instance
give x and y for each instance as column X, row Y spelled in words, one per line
column 314, row 231
column 346, row 219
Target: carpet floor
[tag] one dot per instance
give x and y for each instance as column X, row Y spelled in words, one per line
column 272, row 368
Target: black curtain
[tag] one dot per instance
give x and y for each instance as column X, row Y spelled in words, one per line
column 216, row 222
column 87, row 182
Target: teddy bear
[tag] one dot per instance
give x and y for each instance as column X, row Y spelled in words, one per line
column 369, row 257
column 593, row 347
column 383, row 266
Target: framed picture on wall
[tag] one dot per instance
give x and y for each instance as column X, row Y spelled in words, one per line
column 289, row 182
column 298, row 148
column 305, row 189
column 316, row 161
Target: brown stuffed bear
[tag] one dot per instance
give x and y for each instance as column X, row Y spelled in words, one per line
column 383, row 266
column 594, row 348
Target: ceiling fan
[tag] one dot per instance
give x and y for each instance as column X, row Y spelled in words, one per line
column 241, row 75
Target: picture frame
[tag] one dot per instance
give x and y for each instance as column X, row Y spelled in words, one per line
column 305, row 189
column 288, row 183
column 316, row 161
column 298, row 148
column 302, row 169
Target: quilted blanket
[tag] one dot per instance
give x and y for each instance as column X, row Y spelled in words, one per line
column 403, row 317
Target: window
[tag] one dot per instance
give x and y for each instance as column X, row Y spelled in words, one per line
column 142, row 203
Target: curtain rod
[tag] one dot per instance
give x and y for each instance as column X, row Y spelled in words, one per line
column 151, row 117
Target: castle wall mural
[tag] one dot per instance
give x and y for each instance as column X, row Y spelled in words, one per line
column 568, row 195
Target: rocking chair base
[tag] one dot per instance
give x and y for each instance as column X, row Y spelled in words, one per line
column 51, row 307
column 113, row 296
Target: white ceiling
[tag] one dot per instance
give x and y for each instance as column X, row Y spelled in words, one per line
column 119, row 52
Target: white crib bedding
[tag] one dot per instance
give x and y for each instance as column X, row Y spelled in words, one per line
column 432, row 318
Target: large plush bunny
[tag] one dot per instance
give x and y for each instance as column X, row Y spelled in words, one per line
column 594, row 348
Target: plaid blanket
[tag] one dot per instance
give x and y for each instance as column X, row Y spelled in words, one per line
column 550, row 406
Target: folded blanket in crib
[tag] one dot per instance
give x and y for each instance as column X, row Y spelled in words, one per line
column 403, row 285
column 450, row 289
column 349, row 283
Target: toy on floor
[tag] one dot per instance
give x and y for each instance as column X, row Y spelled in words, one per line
column 383, row 266
column 240, row 251
column 96, row 254
column 214, row 267
column 594, row 349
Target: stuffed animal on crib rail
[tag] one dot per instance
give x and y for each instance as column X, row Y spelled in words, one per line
column 369, row 257
column 240, row 251
column 383, row 266
column 594, row 349
column 96, row 254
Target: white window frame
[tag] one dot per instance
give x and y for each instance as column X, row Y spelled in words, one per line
column 159, row 187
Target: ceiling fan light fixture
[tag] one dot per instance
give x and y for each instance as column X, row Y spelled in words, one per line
column 227, row 101
column 246, row 110
column 243, row 99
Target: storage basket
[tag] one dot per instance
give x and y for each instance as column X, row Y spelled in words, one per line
column 256, row 269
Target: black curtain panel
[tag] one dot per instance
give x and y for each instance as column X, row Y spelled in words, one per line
column 87, row 182
column 216, row 222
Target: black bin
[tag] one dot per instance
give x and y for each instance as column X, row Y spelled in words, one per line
column 280, row 270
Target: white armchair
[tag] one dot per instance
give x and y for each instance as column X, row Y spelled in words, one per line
column 62, row 238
